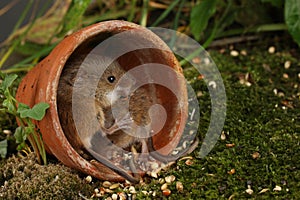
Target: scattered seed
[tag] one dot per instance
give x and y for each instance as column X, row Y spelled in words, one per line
column 255, row 155
column 281, row 94
column 127, row 183
column 231, row 172
column 230, row 145
column 206, row 61
column 132, row 190
column 212, row 84
column 108, row 198
column 164, row 186
column 192, row 114
column 287, row 64
column 189, row 162
column 96, row 190
column 154, row 165
column 170, row 179
column 102, row 191
column 145, row 192
column 161, row 180
column 199, row 93
column 108, row 191
column 88, row 179
column 122, row 195
column 196, row 60
column 114, row 186
column 179, row 186
column 249, row 190
column 114, row 196
column 296, row 86
column 154, row 193
column 299, row 75
column 106, row 184
column 184, row 144
column 244, row 52
column 285, row 75
column 263, row 190
column 223, row 136
column 200, row 77
column 271, row 49
column 7, row 132
column 99, row 195
column 191, row 132
column 186, row 158
column 222, row 50
column 166, row 192
column 174, row 152
column 153, row 174
column 234, row 53
column 277, row 188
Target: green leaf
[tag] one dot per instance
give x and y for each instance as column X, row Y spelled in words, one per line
column 9, row 105
column 22, row 107
column 37, row 112
column 200, row 16
column 3, row 148
column 292, row 18
column 8, row 81
column 28, row 130
column 20, row 135
column 74, row 15
column 2, row 75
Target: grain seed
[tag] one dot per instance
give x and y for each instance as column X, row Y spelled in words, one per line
column 106, row 184
column 114, row 186
column 179, row 186
column 234, row 53
column 164, row 186
column 271, row 49
column 170, row 179
column 166, row 192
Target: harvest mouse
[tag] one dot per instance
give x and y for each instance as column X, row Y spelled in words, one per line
column 85, row 95
column 107, row 96
column 140, row 102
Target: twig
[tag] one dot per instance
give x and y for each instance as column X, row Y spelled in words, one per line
column 233, row 40
column 8, row 7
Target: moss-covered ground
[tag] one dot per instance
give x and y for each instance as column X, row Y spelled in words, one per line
column 257, row 156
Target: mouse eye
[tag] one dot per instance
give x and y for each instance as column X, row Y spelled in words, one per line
column 111, row 79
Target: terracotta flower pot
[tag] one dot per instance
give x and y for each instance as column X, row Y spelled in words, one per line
column 41, row 84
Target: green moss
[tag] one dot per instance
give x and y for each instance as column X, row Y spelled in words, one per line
column 257, row 120
column 24, row 178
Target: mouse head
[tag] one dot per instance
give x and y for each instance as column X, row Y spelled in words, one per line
column 119, row 83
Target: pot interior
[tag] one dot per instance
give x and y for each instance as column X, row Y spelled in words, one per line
column 142, row 48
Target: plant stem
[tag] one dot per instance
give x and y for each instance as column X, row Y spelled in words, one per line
column 132, row 11
column 165, row 13
column 260, row 28
column 143, row 21
column 31, row 140
column 175, row 25
column 16, row 42
column 21, row 64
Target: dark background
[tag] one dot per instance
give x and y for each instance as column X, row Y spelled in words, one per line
column 9, row 19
